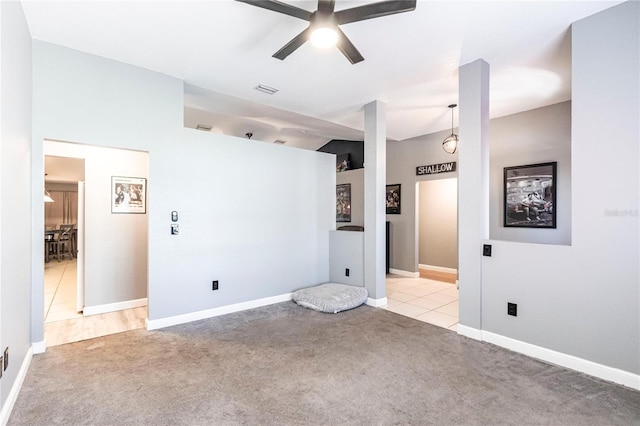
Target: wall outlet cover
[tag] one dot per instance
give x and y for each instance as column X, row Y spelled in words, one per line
column 486, row 250
column 512, row 309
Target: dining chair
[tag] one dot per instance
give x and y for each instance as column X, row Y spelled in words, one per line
column 65, row 241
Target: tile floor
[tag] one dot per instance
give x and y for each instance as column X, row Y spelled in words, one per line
column 434, row 302
column 63, row 324
column 60, row 290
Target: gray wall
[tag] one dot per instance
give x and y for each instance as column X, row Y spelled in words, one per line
column 529, row 137
column 346, row 251
column 15, row 249
column 583, row 299
column 356, row 179
column 537, row 136
column 402, row 159
column 253, row 216
column 438, row 223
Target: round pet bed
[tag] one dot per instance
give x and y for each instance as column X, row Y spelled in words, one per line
column 331, row 298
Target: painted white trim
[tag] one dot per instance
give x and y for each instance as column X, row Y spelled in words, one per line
column 12, row 397
column 472, row 333
column 591, row 368
column 404, row 273
column 572, row 362
column 437, row 268
column 214, row 312
column 376, row 303
column 112, row 307
column 39, row 347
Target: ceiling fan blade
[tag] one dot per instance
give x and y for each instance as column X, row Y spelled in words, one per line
column 326, row 6
column 348, row 49
column 295, row 42
column 280, row 7
column 374, row 10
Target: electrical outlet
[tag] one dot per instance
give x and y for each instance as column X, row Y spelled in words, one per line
column 1, row 362
column 6, row 358
column 512, row 309
column 486, row 250
column 214, row 285
column 346, row 272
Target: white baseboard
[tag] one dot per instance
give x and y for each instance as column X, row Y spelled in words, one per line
column 112, row 307
column 572, row 362
column 214, row 312
column 472, row 333
column 39, row 347
column 438, row 268
column 376, row 303
column 404, row 273
column 12, row 397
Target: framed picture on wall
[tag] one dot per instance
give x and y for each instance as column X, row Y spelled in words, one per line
column 128, row 194
column 393, row 199
column 530, row 196
column 343, row 202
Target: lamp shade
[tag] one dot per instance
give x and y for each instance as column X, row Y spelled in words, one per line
column 450, row 144
column 47, row 197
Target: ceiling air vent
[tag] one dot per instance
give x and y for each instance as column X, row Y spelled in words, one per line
column 203, row 127
column 265, row 89
column 279, row 142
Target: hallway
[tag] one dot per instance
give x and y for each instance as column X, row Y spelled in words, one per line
column 427, row 300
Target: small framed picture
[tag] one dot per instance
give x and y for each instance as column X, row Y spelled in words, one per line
column 128, row 194
column 343, row 202
column 530, row 196
column 393, row 199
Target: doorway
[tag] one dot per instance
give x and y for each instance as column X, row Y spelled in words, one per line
column 63, row 212
column 431, row 295
column 84, row 297
column 438, row 229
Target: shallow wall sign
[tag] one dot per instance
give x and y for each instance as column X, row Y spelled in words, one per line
column 433, row 169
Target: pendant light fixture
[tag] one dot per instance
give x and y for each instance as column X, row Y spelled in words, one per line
column 450, row 144
column 47, row 197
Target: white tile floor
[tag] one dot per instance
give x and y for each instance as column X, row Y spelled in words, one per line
column 434, row 302
column 60, row 290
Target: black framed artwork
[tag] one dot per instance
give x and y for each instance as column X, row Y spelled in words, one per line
column 530, row 195
column 128, row 194
column 343, row 202
column 393, row 199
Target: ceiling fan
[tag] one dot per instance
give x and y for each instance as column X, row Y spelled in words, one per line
column 326, row 21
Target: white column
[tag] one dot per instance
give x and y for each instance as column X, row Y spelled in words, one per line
column 473, row 188
column 375, row 177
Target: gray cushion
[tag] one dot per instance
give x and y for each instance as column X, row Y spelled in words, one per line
column 331, row 297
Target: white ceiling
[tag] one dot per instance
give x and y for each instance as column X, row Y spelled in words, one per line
column 222, row 50
column 63, row 169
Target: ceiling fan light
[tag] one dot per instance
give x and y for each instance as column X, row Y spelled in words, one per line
column 324, row 37
column 450, row 144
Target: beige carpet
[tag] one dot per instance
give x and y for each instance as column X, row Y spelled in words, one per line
column 286, row 365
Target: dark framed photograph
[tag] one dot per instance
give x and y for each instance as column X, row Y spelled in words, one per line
column 343, row 202
column 342, row 163
column 530, row 196
column 128, row 194
column 393, row 199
